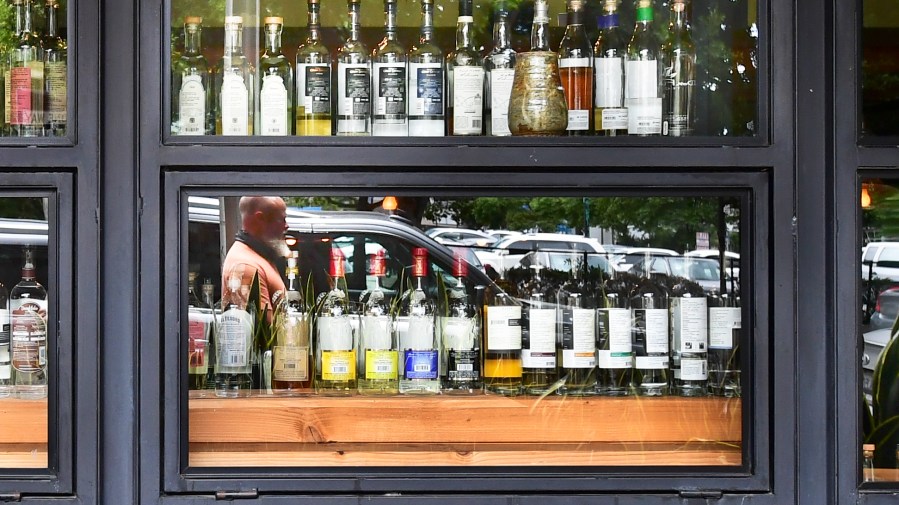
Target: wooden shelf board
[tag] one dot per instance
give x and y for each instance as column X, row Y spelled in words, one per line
column 23, row 456
column 23, row 421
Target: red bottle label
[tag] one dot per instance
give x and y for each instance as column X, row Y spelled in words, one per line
column 460, row 266
column 378, row 266
column 419, row 262
column 20, row 95
column 338, row 269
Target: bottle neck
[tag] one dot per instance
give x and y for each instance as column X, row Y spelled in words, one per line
column 191, row 39
column 20, row 18
column 427, row 22
column 390, row 21
column 50, row 15
column 273, row 39
column 233, row 41
column 314, row 22
column 608, row 20
column 419, row 283
column 354, row 21
column 678, row 16
column 644, row 17
column 463, row 32
column 501, row 36
column 540, row 28
column 575, row 19
column 27, row 26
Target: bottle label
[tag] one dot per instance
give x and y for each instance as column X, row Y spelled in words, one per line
column 609, row 82
column 468, row 88
column 7, row 93
column 578, row 338
column 338, row 365
column 235, row 329
column 503, row 328
column 644, row 116
column 20, row 95
column 653, row 325
column 651, row 362
column 28, row 334
column 419, row 333
column 574, row 62
column 4, row 329
column 613, row 119
column 693, row 369
column 426, row 86
column 722, row 321
column 198, row 337
column 578, row 120
column 642, row 79
column 55, row 72
column 539, row 341
column 615, row 360
column 463, row 365
column 689, row 324
column 192, row 106
column 420, row 364
column 354, row 95
column 500, row 94
column 273, row 106
column 314, row 88
column 390, row 92
column 235, row 105
column 5, row 367
column 615, row 328
column 335, row 333
column 380, row 365
column 376, row 332
column 290, row 363
column 459, row 333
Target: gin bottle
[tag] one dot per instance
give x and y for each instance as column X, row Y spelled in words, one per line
column 426, row 86
column 649, row 315
column 234, row 341
column 6, row 382
column 275, row 113
column 576, row 71
column 291, row 354
column 353, row 80
column 389, row 81
column 460, row 330
column 199, row 324
column 191, row 107
column 55, row 61
column 28, row 333
column 378, row 360
column 724, row 344
column 577, row 340
column 208, row 290
column 679, row 74
column 313, row 105
column 465, row 78
column 335, row 345
column 499, row 68
column 234, row 80
column 27, row 80
column 615, row 354
column 610, row 114
column 538, row 340
column 642, row 70
column 540, row 27
column 417, row 333
column 689, row 339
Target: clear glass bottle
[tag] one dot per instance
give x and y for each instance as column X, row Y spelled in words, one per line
column 576, row 340
column 724, row 344
column 417, row 333
column 28, row 332
column 615, row 350
column 6, row 381
column 502, row 343
column 6, row 55
column 208, row 290
column 609, row 113
column 378, row 357
column 313, row 71
column 27, row 80
column 649, row 316
column 234, row 79
column 274, row 115
column 389, row 81
column 191, row 93
column 234, row 340
column 679, row 73
column 55, row 62
column 199, row 324
column 538, row 340
column 576, row 71
column 465, row 79
column 868, row 463
column 460, row 337
column 499, row 69
column 426, row 80
column 642, row 73
column 354, row 80
column 540, row 27
column 292, row 351
column 689, row 335
column 335, row 344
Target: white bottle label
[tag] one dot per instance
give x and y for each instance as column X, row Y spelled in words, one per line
column 582, row 351
column 235, row 105
column 390, row 92
column 273, row 106
column 613, row 119
column 376, row 333
column 578, row 120
column 503, row 328
column 609, row 359
column 426, row 90
column 693, row 369
column 28, row 334
column 541, row 352
column 334, row 333
column 619, row 330
column 192, row 106
column 689, row 323
column 468, row 89
column 656, row 331
column 314, row 88
column 419, row 333
column 642, row 79
column 652, row 362
column 609, row 82
column 353, row 97
column 458, row 333
column 233, row 340
column 644, row 116
column 722, row 321
column 500, row 94
column 574, row 62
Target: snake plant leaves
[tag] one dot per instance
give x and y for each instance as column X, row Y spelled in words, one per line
column 885, row 403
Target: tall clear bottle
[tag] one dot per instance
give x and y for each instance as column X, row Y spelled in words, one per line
column 615, row 350
column 335, row 345
column 538, row 340
column 354, row 80
column 27, row 80
column 426, row 80
column 576, row 340
column 465, row 79
column 649, row 315
column 6, row 382
column 55, row 63
column 642, row 73
column 576, row 71
column 540, row 27
column 28, row 332
column 313, row 71
column 208, row 290
column 199, row 327
column 609, row 113
column 234, row 340
column 725, row 328
column 499, row 69
column 689, row 339
column 418, row 334
column 6, row 61
column 389, row 81
column 460, row 336
column 378, row 358
column 191, row 92
column 292, row 352
column 679, row 73
column 234, row 79
column 274, row 115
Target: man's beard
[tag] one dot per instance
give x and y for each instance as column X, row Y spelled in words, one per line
column 279, row 245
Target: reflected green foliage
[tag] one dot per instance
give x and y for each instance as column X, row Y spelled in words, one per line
column 22, row 208
column 883, row 425
column 883, row 215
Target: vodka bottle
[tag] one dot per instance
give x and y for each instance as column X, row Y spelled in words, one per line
column 199, row 327
column 499, row 68
column 540, row 27
column 234, row 340
column 313, row 70
column 27, row 80
column 689, row 339
column 868, row 463
column 191, row 102
column 460, row 336
column 208, row 290
column 417, row 333
column 275, row 112
column 615, row 354
column 577, row 340
column 389, row 82
column 353, row 80
column 6, row 382
column 724, row 344
column 679, row 74
column 335, row 344
column 234, row 84
column 538, row 340
column 55, row 62
column 642, row 72
column 649, row 315
column 465, row 78
column 378, row 360
column 28, row 332
column 576, row 71
column 291, row 354
column 426, row 80
column 610, row 114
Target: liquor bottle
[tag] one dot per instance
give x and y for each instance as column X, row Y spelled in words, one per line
column 55, row 62
column 26, row 76
column 499, row 70
column 689, row 339
column 28, row 333
column 576, row 71
column 418, row 336
column 538, row 340
column 353, row 80
column 576, row 340
column 191, row 93
column 642, row 70
column 275, row 112
column 426, row 86
column 610, row 114
column 292, row 352
column 208, row 290
column 724, row 344
column 460, row 336
column 868, row 463
column 615, row 353
column 234, row 341
column 313, row 80
column 18, row 7
column 389, row 81
column 199, row 323
column 649, row 316
column 465, row 79
column 234, row 84
column 335, row 344
column 6, row 382
column 540, row 27
column 378, row 360
column 679, row 74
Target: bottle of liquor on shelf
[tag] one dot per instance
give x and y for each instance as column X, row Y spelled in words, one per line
column 499, row 69
column 649, row 316
column 642, row 71
column 426, row 80
column 335, row 345
column 6, row 381
column 275, row 112
column 679, row 73
column 868, row 463
column 576, row 71
column 417, row 333
column 689, row 339
column 234, row 340
column 502, row 342
column 460, row 331
column 292, row 352
column 208, row 290
column 313, row 70
column 538, row 339
column 234, row 80
column 610, row 114
column 5, row 61
column 540, row 27
column 577, row 340
column 354, row 80
column 724, row 344
column 378, row 358
column 389, row 81
column 55, row 62
column 465, row 77
column 199, row 327
column 191, row 102
column 28, row 332
column 27, row 80
column 615, row 350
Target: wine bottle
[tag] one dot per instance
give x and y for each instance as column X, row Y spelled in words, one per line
column 499, row 69
column 689, row 339
column 389, row 81
column 460, row 336
column 417, row 333
column 28, row 332
column 724, row 344
column 27, row 80
column 465, row 79
column 234, row 78
column 378, row 359
column 275, row 112
column 576, row 71
column 649, row 315
column 538, row 339
column 335, row 345
column 610, row 114
column 199, row 323
column 191, row 103
column 313, row 71
column 615, row 356
column 353, row 80
column 55, row 73
column 234, row 340
column 426, row 86
column 291, row 353
column 679, row 73
column 642, row 71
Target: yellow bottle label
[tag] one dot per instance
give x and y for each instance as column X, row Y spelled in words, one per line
column 338, row 365
column 381, row 365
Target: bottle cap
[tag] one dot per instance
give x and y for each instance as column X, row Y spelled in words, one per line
column 868, row 447
column 312, row 2
column 642, row 4
column 419, row 262
column 337, row 268
column 192, row 20
column 464, row 8
column 460, row 266
column 233, row 20
column 378, row 264
column 541, row 12
column 274, row 20
column 466, row 19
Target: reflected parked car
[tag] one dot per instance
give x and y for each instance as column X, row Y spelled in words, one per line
column 874, row 343
column 564, row 261
column 507, row 253
column 624, row 260
column 462, row 236
column 702, row 271
column 880, row 260
column 886, row 309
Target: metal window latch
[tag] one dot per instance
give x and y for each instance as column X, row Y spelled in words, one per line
column 701, row 494
column 10, row 497
column 249, row 494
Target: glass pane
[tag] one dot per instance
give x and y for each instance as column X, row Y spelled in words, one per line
column 33, row 60
column 691, row 68
column 23, row 333
column 332, row 327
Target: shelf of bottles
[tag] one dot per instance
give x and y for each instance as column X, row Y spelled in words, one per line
column 390, row 68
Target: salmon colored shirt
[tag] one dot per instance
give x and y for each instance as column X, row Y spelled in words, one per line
column 271, row 287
